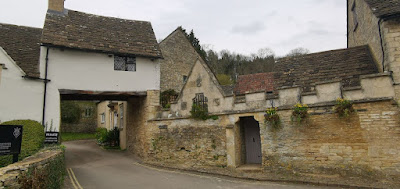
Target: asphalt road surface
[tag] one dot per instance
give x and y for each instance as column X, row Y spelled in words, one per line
column 92, row 167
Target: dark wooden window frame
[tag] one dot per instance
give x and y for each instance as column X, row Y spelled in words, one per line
column 128, row 63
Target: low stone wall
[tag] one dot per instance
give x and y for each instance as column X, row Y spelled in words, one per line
column 189, row 143
column 78, row 128
column 12, row 175
column 360, row 150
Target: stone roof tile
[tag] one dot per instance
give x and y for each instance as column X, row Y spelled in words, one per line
column 305, row 71
column 22, row 44
column 79, row 30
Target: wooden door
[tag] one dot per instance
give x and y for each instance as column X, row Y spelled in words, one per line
column 252, row 141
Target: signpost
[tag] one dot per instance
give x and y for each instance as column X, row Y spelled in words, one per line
column 10, row 140
column 51, row 137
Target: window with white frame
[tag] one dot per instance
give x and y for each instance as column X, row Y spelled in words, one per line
column 88, row 112
column 103, row 118
column 124, row 63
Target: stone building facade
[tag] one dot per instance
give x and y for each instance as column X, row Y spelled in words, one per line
column 179, row 58
column 377, row 24
column 325, row 148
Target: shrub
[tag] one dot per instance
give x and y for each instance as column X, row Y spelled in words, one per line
column 108, row 137
column 32, row 140
column 272, row 117
column 102, row 135
column 343, row 107
column 300, row 111
column 70, row 112
column 167, row 97
column 201, row 113
column 113, row 137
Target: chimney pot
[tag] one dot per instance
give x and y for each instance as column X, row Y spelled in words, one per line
column 56, row 5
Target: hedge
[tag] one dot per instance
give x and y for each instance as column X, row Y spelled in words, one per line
column 48, row 176
column 32, row 140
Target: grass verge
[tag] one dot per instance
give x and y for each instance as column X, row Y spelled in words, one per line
column 77, row 136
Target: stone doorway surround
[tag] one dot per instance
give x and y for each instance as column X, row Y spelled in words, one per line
column 236, row 156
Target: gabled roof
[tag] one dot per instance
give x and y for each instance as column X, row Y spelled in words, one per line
column 79, row 30
column 22, row 44
column 383, row 8
column 259, row 82
column 305, row 71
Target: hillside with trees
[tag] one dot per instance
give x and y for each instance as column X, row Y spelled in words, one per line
column 228, row 65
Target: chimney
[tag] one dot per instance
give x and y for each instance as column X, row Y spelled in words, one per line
column 56, row 5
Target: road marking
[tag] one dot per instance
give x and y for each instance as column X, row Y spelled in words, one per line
column 209, row 177
column 74, row 179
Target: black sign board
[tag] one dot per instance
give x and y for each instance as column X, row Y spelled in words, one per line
column 51, row 137
column 10, row 140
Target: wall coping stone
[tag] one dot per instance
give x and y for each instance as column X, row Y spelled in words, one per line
column 375, row 75
column 352, row 88
column 287, row 107
column 328, row 81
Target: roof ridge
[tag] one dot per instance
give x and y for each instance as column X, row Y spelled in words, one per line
column 169, row 35
column 92, row 14
column 31, row 27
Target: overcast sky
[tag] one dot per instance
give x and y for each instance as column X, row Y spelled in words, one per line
column 237, row 25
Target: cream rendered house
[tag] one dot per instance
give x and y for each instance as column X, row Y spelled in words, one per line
column 21, row 90
column 91, row 57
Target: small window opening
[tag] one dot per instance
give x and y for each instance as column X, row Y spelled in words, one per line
column 124, row 63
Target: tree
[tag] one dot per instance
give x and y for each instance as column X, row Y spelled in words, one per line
column 196, row 44
column 297, row 52
column 265, row 53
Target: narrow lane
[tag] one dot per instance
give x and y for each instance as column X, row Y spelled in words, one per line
column 93, row 167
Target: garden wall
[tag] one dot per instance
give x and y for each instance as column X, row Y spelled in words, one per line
column 45, row 169
column 359, row 150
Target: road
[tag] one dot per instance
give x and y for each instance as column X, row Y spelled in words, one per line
column 92, row 167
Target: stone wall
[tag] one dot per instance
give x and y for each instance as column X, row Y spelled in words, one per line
column 10, row 175
column 360, row 150
column 391, row 33
column 179, row 58
column 367, row 31
column 188, row 143
column 138, row 111
column 362, row 145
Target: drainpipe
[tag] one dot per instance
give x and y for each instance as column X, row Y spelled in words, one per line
column 347, row 21
column 45, row 87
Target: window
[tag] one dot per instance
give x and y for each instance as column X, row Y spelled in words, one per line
column 88, row 112
column 201, row 101
column 355, row 20
column 185, row 78
column 124, row 63
column 103, row 117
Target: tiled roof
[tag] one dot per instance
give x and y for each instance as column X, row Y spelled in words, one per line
column 84, row 31
column 382, row 8
column 23, row 45
column 254, row 83
column 228, row 89
column 344, row 64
